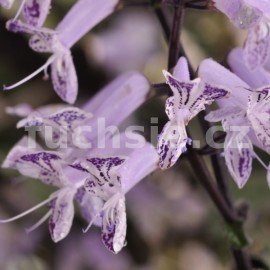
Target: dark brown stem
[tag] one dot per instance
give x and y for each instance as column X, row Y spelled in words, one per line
column 174, row 44
column 164, row 23
column 207, row 181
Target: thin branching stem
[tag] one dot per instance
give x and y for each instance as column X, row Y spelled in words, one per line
column 220, row 193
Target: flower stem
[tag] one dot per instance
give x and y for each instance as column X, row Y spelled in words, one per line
column 174, row 43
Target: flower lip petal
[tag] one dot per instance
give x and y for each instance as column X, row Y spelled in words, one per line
column 64, row 77
column 114, row 224
column 62, row 215
column 36, row 11
column 6, row 3
column 171, row 142
column 238, row 157
column 241, row 14
column 257, row 45
column 219, row 115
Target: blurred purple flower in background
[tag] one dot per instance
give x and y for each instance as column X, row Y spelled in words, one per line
column 58, row 42
column 253, row 15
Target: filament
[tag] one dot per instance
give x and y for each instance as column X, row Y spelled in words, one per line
column 19, row 10
column 41, row 221
column 30, row 210
column 260, row 161
column 49, row 61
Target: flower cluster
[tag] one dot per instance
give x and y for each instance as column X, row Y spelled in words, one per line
column 98, row 178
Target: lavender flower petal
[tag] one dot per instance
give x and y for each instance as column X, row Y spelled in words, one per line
column 43, row 165
column 114, row 225
column 258, row 115
column 238, row 158
column 90, row 206
column 255, row 78
column 221, row 114
column 64, row 78
column 171, row 144
column 6, row 3
column 141, row 163
column 104, row 178
column 213, row 73
column 82, row 17
column 36, row 11
column 62, row 214
column 181, row 71
column 257, row 45
column 241, row 14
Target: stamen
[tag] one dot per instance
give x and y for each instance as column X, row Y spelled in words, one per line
column 260, row 161
column 104, row 208
column 91, row 222
column 30, row 210
column 19, row 10
column 49, row 61
column 40, row 222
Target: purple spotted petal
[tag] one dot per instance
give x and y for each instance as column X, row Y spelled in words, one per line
column 6, row 3
column 114, row 224
column 62, row 214
column 104, row 179
column 221, row 114
column 254, row 78
column 63, row 123
column 43, row 165
column 35, row 11
column 257, row 45
column 17, row 26
column 64, row 77
column 242, row 15
column 43, row 42
column 258, row 115
column 170, row 108
column 238, row 157
column 182, row 91
column 191, row 96
column 71, row 117
column 21, row 148
column 206, row 95
column 171, row 144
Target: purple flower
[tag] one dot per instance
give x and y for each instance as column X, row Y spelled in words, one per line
column 82, row 17
column 189, row 98
column 6, row 3
column 254, row 78
column 244, row 117
column 34, row 12
column 253, row 15
column 110, row 178
column 64, row 169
